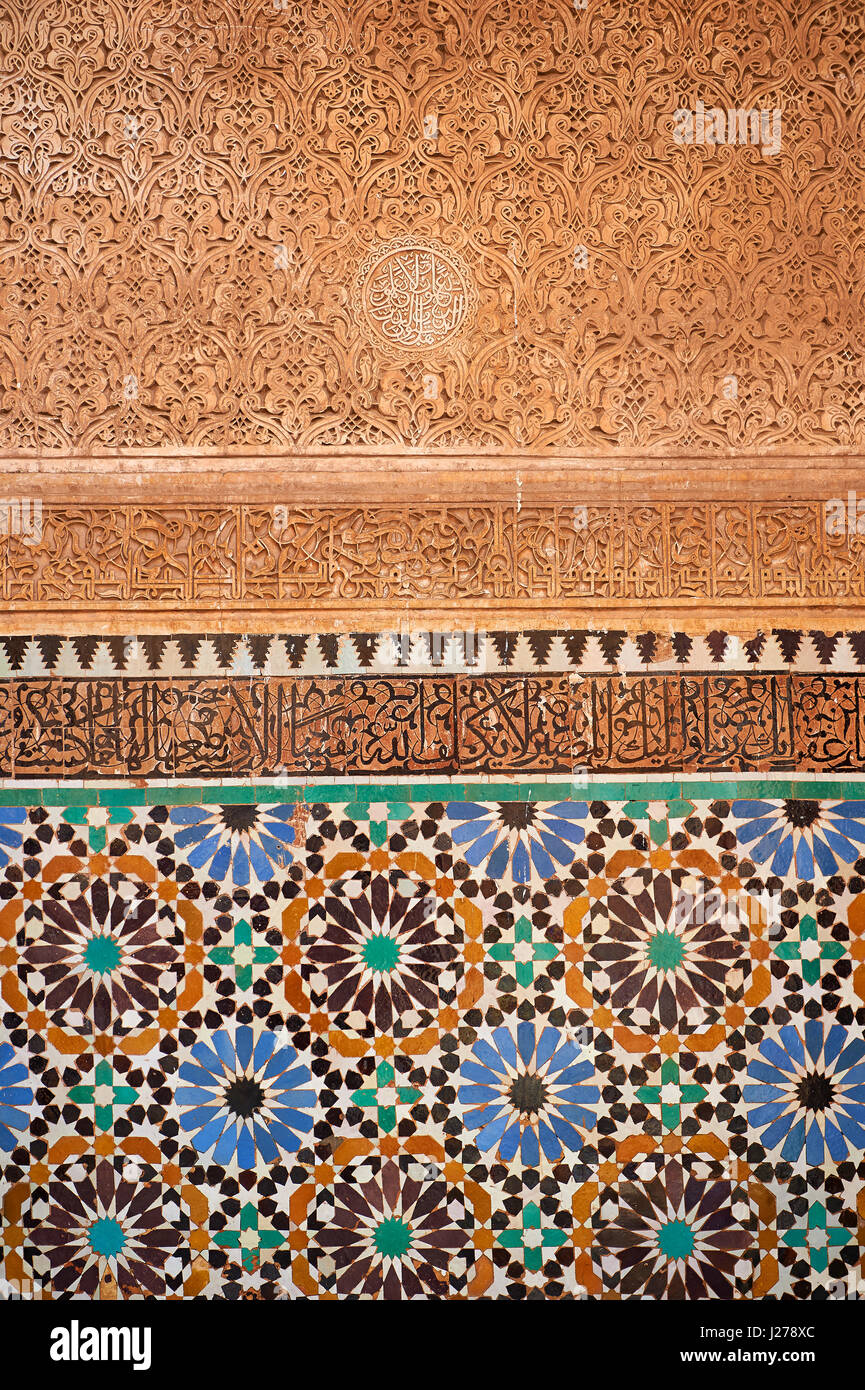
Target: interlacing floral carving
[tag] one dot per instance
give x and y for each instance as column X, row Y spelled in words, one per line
column 188, row 195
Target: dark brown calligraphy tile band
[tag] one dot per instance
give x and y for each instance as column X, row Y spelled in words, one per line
column 394, row 726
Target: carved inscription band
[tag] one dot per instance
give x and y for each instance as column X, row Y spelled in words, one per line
column 245, row 556
column 450, row 725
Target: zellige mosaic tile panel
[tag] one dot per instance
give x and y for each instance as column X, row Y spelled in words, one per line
column 391, row 1046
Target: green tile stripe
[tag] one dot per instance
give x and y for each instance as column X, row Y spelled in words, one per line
column 636, row 790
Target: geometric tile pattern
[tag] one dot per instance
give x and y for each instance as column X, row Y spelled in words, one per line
column 573, row 650
column 426, row 1048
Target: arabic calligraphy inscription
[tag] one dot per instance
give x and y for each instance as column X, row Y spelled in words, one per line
column 415, row 294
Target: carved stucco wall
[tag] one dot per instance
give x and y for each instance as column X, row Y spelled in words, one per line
column 470, row 322
column 192, row 195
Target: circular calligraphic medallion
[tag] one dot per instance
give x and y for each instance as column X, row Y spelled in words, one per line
column 415, row 295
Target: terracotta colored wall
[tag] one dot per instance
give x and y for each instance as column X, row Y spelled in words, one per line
column 432, row 726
